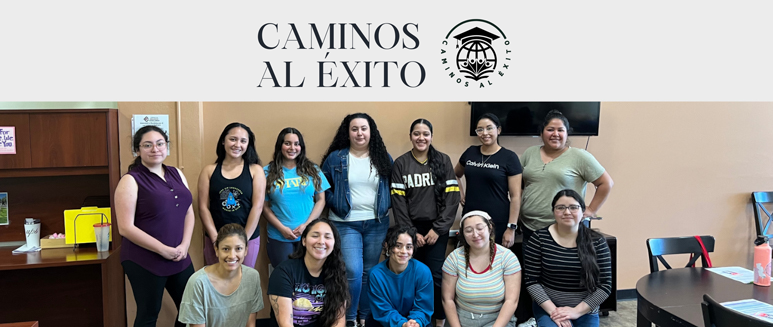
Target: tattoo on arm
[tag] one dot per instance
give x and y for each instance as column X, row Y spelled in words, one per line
column 274, row 302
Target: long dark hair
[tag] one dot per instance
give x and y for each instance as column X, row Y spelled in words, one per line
column 304, row 167
column 437, row 166
column 334, row 270
column 379, row 157
column 250, row 155
column 492, row 245
column 138, row 138
column 589, row 266
column 494, row 119
column 555, row 114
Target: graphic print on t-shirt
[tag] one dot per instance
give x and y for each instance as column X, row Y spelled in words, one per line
column 230, row 198
column 307, row 303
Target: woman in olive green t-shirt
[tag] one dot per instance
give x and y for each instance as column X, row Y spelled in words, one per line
column 555, row 166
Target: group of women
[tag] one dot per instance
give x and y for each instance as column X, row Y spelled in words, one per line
column 327, row 270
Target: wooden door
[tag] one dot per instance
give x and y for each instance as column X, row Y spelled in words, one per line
column 68, row 139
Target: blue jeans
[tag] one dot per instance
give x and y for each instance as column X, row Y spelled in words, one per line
column 543, row 318
column 361, row 243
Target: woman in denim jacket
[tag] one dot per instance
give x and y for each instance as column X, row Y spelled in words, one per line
column 358, row 168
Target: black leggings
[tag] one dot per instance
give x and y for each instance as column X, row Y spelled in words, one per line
column 433, row 256
column 148, row 292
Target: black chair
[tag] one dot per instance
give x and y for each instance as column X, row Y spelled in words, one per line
column 658, row 247
column 762, row 217
column 717, row 315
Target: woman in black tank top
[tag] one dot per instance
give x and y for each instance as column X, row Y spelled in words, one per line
column 232, row 190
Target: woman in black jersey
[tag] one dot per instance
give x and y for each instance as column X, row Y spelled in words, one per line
column 493, row 176
column 425, row 195
column 232, row 190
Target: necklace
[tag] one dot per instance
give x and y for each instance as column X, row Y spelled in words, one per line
column 484, row 161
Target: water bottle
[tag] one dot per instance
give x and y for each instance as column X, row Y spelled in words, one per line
column 762, row 258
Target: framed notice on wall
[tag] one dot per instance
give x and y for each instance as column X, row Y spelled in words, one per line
column 160, row 121
column 7, row 140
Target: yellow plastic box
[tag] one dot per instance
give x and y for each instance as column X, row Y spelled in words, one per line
column 79, row 224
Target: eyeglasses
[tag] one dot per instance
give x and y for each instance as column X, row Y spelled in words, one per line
column 148, row 145
column 488, row 129
column 572, row 208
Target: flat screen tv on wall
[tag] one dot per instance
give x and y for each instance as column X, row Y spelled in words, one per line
column 525, row 118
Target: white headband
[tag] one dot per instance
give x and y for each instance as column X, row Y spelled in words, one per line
column 474, row 213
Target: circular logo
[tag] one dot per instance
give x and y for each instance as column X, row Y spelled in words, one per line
column 470, row 53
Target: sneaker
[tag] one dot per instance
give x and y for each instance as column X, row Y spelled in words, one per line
column 351, row 323
column 528, row 323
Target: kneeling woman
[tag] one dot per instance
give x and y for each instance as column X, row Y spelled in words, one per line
column 226, row 293
column 481, row 279
column 310, row 288
column 401, row 288
column 568, row 267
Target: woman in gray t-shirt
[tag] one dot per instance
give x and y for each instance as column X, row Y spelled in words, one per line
column 555, row 166
column 226, row 293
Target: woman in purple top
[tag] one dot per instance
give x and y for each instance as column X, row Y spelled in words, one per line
column 155, row 217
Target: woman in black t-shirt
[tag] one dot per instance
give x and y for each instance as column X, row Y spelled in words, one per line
column 493, row 176
column 232, row 190
column 310, row 288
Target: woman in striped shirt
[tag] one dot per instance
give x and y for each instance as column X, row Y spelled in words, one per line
column 568, row 267
column 482, row 279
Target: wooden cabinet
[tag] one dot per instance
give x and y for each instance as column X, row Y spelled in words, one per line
column 63, row 159
column 57, row 140
column 68, row 139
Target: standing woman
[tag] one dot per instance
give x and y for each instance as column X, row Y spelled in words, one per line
column 295, row 194
column 425, row 195
column 155, row 215
column 482, row 279
column 493, row 176
column 227, row 293
column 555, row 166
column 310, row 288
column 400, row 287
column 232, row 191
column 358, row 168
column 568, row 267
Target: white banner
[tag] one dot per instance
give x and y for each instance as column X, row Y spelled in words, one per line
column 386, row 51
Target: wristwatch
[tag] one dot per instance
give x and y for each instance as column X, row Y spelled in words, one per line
column 512, row 226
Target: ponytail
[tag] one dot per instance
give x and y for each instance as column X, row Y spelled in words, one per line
column 589, row 267
column 137, row 161
column 437, row 167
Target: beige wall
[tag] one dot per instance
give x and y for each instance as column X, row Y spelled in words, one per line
column 679, row 168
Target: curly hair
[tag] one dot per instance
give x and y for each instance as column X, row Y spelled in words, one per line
column 589, row 266
column 250, row 154
column 491, row 243
column 138, row 138
column 437, row 166
column 379, row 157
column 305, row 168
column 334, row 272
column 393, row 234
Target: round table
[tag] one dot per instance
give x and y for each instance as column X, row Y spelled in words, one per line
column 673, row 297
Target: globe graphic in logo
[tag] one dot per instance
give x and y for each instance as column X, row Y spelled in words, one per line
column 476, row 58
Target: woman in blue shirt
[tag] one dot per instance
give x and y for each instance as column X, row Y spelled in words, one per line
column 401, row 292
column 358, row 168
column 294, row 194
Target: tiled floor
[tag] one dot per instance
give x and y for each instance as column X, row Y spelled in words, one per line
column 625, row 316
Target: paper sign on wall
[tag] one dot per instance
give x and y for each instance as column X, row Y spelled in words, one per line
column 160, row 121
column 7, row 140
